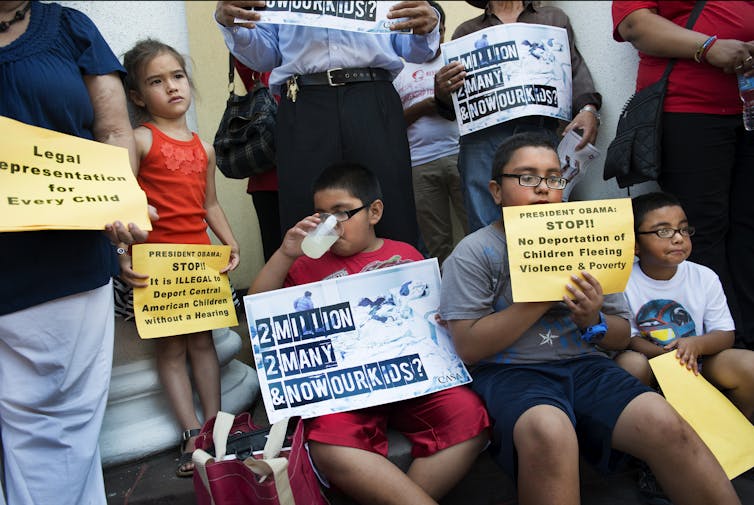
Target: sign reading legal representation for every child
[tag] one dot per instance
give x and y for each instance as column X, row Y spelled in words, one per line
column 186, row 292
column 53, row 181
column 548, row 243
column 356, row 16
column 512, row 70
column 352, row 342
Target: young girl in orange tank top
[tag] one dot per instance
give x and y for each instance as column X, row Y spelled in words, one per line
column 177, row 172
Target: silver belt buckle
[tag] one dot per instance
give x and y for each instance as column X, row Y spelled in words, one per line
column 329, row 77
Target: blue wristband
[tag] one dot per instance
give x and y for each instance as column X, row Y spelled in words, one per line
column 594, row 334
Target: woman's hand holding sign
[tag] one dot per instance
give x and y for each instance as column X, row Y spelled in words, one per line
column 449, row 79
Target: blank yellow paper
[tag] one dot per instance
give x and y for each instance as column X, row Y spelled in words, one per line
column 728, row 434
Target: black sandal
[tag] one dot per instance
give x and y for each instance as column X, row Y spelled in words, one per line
column 185, row 457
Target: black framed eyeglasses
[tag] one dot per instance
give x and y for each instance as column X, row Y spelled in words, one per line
column 343, row 215
column 533, row 180
column 685, row 231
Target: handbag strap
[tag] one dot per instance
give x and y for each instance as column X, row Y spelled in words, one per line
column 231, row 74
column 698, row 6
column 278, row 467
column 201, row 458
column 220, row 432
column 276, row 438
column 270, row 465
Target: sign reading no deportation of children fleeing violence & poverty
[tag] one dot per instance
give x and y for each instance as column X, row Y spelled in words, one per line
column 548, row 243
column 352, row 342
column 53, row 181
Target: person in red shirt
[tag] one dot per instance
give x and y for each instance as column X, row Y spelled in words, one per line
column 263, row 188
column 177, row 173
column 447, row 429
column 707, row 155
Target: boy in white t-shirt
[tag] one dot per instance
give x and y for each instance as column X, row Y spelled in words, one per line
column 680, row 305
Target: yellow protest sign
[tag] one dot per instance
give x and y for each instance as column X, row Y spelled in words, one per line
column 548, row 243
column 49, row 180
column 725, row 430
column 186, row 292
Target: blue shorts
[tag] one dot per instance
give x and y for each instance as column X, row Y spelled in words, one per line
column 592, row 391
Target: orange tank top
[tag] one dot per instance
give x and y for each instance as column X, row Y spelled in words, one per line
column 173, row 175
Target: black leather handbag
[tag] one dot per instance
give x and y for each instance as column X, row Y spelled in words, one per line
column 245, row 139
column 634, row 156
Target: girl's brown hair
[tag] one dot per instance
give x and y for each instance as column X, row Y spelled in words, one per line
column 142, row 53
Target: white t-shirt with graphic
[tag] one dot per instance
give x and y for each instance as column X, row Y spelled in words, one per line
column 691, row 303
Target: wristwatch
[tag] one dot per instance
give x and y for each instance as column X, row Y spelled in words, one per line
column 595, row 333
column 593, row 110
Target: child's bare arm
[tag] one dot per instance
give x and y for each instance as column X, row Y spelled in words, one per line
column 127, row 273
column 618, row 334
column 689, row 349
column 215, row 217
column 647, row 348
column 273, row 273
column 476, row 339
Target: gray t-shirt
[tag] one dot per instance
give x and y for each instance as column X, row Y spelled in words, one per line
column 476, row 282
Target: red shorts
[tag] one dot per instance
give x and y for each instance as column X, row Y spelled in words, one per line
column 431, row 423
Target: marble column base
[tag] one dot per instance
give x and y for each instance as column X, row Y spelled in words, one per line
column 138, row 421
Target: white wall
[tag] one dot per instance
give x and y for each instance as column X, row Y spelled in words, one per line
column 613, row 66
column 124, row 23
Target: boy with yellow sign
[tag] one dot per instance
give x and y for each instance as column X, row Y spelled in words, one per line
column 551, row 391
column 680, row 306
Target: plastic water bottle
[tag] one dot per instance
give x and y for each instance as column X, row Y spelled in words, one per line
column 321, row 238
column 746, row 91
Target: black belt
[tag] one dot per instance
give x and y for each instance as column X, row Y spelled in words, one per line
column 343, row 76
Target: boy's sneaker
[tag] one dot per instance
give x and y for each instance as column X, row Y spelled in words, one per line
column 649, row 487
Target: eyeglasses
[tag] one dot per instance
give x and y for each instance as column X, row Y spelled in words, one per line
column 686, row 231
column 532, row 180
column 343, row 215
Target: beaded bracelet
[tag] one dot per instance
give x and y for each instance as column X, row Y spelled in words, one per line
column 703, row 48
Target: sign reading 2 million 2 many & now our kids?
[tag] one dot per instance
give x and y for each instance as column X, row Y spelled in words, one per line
column 352, row 342
column 357, row 16
column 512, row 70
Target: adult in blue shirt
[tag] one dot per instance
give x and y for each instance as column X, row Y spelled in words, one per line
column 56, row 300
column 328, row 115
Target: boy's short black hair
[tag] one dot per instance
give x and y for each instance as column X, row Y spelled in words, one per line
column 353, row 177
column 643, row 204
column 439, row 9
column 505, row 151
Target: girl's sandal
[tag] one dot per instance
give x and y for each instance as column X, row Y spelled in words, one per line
column 185, row 458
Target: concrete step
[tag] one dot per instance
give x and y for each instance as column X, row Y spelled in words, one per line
column 152, row 481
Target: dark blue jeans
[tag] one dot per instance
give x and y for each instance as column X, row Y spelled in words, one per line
column 708, row 163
